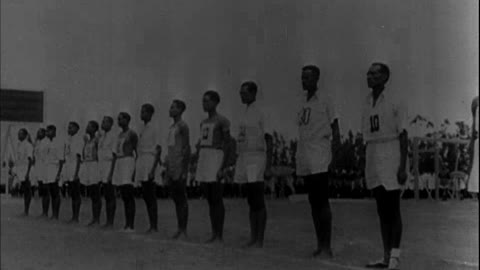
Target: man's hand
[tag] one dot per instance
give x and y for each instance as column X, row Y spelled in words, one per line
column 57, row 178
column 151, row 176
column 220, row 175
column 401, row 175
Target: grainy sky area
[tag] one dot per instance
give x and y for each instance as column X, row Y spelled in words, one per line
column 103, row 56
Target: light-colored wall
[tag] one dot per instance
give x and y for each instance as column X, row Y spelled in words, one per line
column 94, row 57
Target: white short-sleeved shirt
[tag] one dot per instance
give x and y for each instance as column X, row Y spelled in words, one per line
column 23, row 153
column 90, row 148
column 106, row 146
column 73, row 147
column 148, row 139
column 253, row 126
column 213, row 130
column 381, row 127
column 178, row 144
column 314, row 120
column 54, row 152
column 40, row 151
column 384, row 121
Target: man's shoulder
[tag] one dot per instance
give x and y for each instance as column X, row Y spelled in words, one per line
column 132, row 133
column 28, row 144
column 182, row 125
column 222, row 119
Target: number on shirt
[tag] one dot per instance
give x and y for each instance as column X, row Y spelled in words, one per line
column 120, row 143
column 374, row 123
column 305, row 117
column 206, row 131
column 242, row 134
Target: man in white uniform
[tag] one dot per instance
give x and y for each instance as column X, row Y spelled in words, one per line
column 212, row 161
column 319, row 139
column 73, row 158
column 39, row 169
column 177, row 162
column 22, row 165
column 106, row 147
column 254, row 148
column 149, row 151
column 473, row 179
column 89, row 171
column 384, row 129
column 54, row 161
column 124, row 167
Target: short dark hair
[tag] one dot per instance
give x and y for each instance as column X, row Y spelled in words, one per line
column 213, row 96
column 384, row 69
column 180, row 104
column 314, row 69
column 125, row 115
column 149, row 107
column 52, row 127
column 75, row 124
column 94, row 124
column 251, row 86
column 109, row 119
column 24, row 130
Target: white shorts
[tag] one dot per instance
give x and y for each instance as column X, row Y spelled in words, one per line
column 20, row 172
column 68, row 171
column 123, row 171
column 382, row 163
column 89, row 173
column 104, row 170
column 38, row 172
column 143, row 167
column 209, row 163
column 250, row 167
column 51, row 173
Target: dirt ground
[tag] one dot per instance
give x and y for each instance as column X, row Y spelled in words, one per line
column 437, row 235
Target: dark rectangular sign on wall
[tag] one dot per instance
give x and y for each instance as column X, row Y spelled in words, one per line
column 21, row 105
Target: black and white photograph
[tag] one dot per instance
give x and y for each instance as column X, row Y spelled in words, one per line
column 228, row 134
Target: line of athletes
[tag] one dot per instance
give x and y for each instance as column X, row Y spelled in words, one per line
column 127, row 159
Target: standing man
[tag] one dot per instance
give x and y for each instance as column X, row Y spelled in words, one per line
column 319, row 139
column 23, row 163
column 149, row 151
column 123, row 165
column 40, row 168
column 212, row 157
column 73, row 159
column 90, row 176
column 177, row 161
column 106, row 147
column 54, row 161
column 255, row 145
column 384, row 130
column 473, row 178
